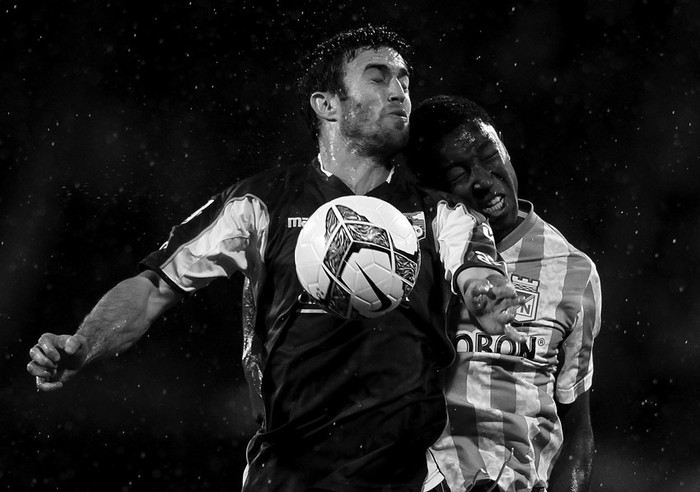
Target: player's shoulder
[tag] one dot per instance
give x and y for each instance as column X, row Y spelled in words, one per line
column 269, row 183
column 575, row 254
column 272, row 177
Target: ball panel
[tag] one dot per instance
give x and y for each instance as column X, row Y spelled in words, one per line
column 406, row 268
column 337, row 250
column 338, row 301
column 369, row 234
column 349, row 214
column 332, row 223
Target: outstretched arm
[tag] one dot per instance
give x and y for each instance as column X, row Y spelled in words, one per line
column 573, row 469
column 475, row 270
column 116, row 322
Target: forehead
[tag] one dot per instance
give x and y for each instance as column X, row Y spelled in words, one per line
column 471, row 135
column 382, row 56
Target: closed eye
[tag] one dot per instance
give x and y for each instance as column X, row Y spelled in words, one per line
column 491, row 157
column 456, row 173
column 376, row 74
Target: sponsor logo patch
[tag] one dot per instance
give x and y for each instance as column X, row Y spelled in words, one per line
column 467, row 342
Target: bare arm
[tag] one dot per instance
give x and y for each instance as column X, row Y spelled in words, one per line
column 116, row 322
column 573, row 469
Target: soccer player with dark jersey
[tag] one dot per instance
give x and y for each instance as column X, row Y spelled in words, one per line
column 519, row 417
column 345, row 405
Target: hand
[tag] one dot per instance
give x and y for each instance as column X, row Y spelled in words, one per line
column 493, row 302
column 56, row 359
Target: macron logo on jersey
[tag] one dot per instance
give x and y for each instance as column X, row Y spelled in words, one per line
column 296, row 222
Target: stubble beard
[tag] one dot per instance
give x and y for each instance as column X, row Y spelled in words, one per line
column 366, row 136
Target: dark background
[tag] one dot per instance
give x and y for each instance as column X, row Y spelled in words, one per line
column 118, row 119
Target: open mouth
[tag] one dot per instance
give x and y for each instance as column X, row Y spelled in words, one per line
column 495, row 205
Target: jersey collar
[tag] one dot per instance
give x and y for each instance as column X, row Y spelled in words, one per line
column 329, row 174
column 526, row 210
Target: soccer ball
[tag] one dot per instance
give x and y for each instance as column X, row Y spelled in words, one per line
column 357, row 256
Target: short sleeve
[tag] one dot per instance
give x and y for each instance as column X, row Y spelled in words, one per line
column 464, row 240
column 576, row 373
column 226, row 235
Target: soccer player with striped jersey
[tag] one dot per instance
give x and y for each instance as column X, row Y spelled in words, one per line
column 347, row 404
column 519, row 416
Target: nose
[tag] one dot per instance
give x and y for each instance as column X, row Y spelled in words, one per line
column 396, row 91
column 482, row 181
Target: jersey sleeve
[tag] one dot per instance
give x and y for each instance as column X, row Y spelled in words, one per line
column 576, row 372
column 226, row 235
column 464, row 240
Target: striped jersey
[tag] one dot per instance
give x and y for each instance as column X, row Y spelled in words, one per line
column 344, row 404
column 503, row 423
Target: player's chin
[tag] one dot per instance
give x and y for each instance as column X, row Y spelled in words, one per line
column 391, row 142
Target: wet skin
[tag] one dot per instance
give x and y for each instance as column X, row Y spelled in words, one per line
column 477, row 168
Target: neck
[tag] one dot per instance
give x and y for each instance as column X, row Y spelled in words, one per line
column 500, row 233
column 360, row 173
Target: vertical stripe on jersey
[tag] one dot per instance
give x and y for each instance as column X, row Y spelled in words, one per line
column 490, row 426
column 550, row 438
column 577, row 372
column 553, row 276
column 459, row 461
column 577, row 274
column 590, row 326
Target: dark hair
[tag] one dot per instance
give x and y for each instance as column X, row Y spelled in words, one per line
column 431, row 121
column 323, row 68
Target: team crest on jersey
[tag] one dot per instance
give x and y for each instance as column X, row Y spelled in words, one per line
column 530, row 289
column 417, row 220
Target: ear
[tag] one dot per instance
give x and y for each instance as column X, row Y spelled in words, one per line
column 324, row 105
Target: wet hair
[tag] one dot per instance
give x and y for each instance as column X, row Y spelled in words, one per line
column 323, row 68
column 431, row 121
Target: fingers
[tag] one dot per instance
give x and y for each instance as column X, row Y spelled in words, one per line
column 39, row 358
column 504, row 291
column 72, row 344
column 38, row 370
column 46, row 363
column 495, row 303
column 44, row 385
column 513, row 334
column 48, row 343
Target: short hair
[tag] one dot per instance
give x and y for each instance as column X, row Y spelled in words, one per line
column 431, row 121
column 323, row 68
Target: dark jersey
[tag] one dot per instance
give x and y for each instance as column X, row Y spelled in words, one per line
column 346, row 404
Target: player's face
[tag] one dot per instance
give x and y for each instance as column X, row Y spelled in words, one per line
column 477, row 168
column 374, row 117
